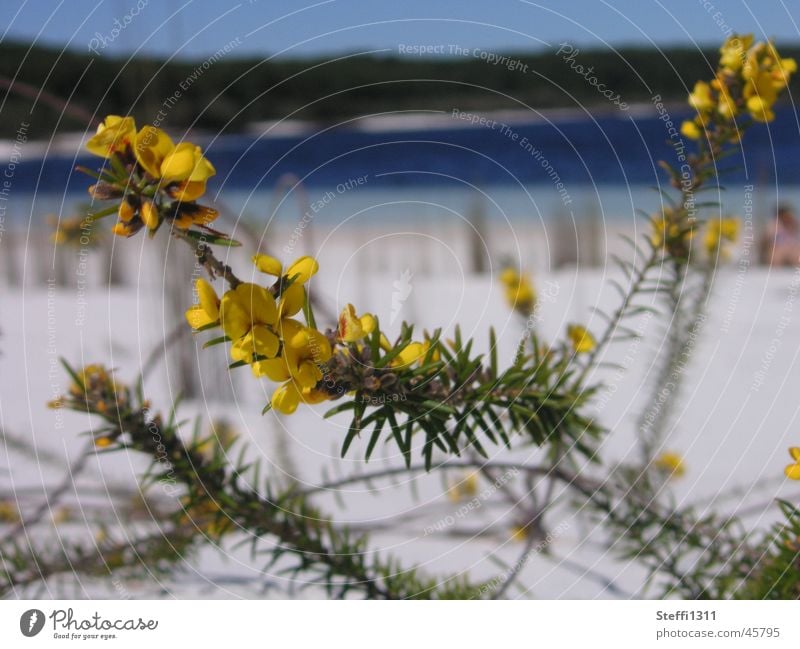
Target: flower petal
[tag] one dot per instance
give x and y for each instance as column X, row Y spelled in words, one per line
column 265, row 342
column 149, row 215
column 235, row 318
column 189, row 190
column 793, row 471
column 207, row 297
column 197, row 317
column 268, row 265
column 114, row 134
column 286, row 398
column 151, row 147
column 350, row 328
column 307, row 374
column 179, row 163
column 275, row 369
column 259, row 302
column 305, row 267
column 292, row 300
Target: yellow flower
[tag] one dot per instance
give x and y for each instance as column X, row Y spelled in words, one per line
column 103, row 442
column 206, row 312
column 670, row 463
column 765, row 75
column 582, row 341
column 123, row 230
column 264, row 335
column 304, row 267
column 672, row 232
column 186, row 162
column 286, row 398
column 245, row 308
column 183, row 164
column 719, row 232
column 750, row 75
column 115, row 134
column 691, row 130
column 152, row 146
column 729, row 229
column 292, row 298
column 787, row 68
column 466, row 486
column 733, row 52
column 352, row 327
column 192, row 214
column 412, row 353
column 96, row 389
column 519, row 290
column 305, row 351
column 726, row 105
column 792, row 471
column 701, row 98
column 149, row 215
column 760, row 109
column 126, row 212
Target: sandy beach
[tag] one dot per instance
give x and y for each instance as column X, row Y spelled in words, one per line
column 736, row 414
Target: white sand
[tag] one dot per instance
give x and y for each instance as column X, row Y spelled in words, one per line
column 732, row 425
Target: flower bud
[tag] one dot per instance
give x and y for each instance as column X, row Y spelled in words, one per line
column 104, row 191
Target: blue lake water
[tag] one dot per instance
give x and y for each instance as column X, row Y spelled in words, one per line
column 536, row 168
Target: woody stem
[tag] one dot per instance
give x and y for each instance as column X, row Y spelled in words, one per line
column 214, row 267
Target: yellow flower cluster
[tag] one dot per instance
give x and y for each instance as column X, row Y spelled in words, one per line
column 519, row 291
column 260, row 325
column 749, row 79
column 720, row 232
column 161, row 173
column 94, row 389
column 353, row 328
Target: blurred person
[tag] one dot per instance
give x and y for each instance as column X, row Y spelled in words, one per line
column 780, row 243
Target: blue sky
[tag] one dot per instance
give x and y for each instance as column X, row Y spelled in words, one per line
column 197, row 28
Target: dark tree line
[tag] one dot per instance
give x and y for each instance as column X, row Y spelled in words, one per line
column 227, row 91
